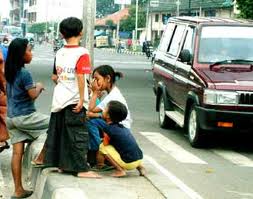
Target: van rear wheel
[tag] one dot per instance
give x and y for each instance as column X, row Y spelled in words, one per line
column 164, row 120
column 195, row 133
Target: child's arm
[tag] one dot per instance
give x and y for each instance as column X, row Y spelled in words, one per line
column 35, row 91
column 80, row 81
column 91, row 114
column 95, row 93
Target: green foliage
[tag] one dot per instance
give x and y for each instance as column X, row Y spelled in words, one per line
column 106, row 7
column 128, row 24
column 246, row 8
column 38, row 28
column 110, row 23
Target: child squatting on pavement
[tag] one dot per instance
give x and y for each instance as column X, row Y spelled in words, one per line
column 104, row 80
column 119, row 146
column 66, row 145
column 24, row 123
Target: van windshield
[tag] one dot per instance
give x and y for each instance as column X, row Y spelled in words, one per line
column 218, row 43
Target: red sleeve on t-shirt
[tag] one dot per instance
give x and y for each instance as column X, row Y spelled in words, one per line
column 83, row 65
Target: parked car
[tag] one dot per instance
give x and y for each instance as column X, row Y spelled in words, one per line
column 10, row 33
column 203, row 76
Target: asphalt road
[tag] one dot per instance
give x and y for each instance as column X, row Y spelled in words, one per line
column 223, row 170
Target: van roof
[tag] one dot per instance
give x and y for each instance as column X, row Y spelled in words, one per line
column 199, row 20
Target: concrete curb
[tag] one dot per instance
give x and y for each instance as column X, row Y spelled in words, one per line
column 47, row 183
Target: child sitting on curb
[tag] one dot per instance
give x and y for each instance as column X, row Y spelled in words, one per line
column 120, row 148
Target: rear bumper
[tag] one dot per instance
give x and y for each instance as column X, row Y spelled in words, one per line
column 209, row 118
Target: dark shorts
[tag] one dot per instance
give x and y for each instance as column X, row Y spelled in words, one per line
column 67, row 141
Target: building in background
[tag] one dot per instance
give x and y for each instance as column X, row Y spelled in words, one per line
column 18, row 13
column 53, row 10
column 160, row 13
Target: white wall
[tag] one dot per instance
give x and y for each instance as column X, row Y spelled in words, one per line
column 56, row 10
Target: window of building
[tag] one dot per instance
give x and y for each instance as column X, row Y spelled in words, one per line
column 210, row 13
column 157, row 18
column 165, row 18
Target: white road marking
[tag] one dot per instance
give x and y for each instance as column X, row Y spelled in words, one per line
column 244, row 194
column 172, row 148
column 191, row 193
column 234, row 157
column 122, row 62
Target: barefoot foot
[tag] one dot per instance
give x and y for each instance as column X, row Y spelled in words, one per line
column 142, row 170
column 88, row 174
column 119, row 173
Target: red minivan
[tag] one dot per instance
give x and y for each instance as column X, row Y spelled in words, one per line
column 203, row 76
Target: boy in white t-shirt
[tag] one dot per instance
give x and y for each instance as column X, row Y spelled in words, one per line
column 67, row 141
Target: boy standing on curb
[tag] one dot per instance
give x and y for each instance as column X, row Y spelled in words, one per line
column 119, row 146
column 67, row 141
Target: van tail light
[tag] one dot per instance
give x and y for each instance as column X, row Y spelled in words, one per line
column 225, row 124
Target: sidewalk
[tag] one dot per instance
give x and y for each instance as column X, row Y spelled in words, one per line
column 49, row 184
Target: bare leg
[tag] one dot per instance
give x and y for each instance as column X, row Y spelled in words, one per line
column 16, row 167
column 40, row 158
column 142, row 170
column 100, row 160
column 120, row 172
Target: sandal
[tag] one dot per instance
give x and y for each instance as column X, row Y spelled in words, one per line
column 38, row 165
column 26, row 194
column 5, row 146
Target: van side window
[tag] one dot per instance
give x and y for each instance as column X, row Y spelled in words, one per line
column 164, row 44
column 176, row 40
column 188, row 43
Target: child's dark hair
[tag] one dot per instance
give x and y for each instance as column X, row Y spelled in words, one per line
column 117, row 111
column 71, row 27
column 105, row 70
column 15, row 61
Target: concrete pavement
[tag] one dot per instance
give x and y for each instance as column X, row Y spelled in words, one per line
column 49, row 184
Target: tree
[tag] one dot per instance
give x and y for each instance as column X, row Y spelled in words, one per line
column 246, row 8
column 106, row 7
column 38, row 28
column 110, row 23
column 128, row 24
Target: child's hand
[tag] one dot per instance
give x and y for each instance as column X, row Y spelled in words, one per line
column 95, row 87
column 40, row 86
column 78, row 107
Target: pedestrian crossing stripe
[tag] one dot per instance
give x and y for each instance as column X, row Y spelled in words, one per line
column 235, row 158
column 173, row 149
column 183, row 156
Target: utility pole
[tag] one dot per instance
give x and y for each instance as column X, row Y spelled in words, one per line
column 178, row 4
column 147, row 19
column 136, row 22
column 89, row 15
column 189, row 12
